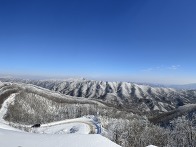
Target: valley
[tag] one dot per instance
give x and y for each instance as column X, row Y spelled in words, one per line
column 80, row 106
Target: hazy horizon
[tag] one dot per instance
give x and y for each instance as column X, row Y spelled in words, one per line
column 160, row 81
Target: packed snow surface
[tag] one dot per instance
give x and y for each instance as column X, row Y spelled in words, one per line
column 21, row 139
column 83, row 125
column 79, row 132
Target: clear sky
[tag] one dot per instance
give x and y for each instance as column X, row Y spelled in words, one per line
column 132, row 40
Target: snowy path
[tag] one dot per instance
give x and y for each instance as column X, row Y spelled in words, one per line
column 81, row 125
column 5, row 105
column 3, row 110
column 75, row 127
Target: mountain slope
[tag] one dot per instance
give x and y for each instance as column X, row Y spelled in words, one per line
column 120, row 94
column 27, row 104
column 189, row 110
column 31, row 103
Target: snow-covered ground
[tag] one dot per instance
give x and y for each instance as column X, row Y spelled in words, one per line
column 71, row 133
column 3, row 110
column 5, row 105
column 21, row 139
column 79, row 132
column 83, row 125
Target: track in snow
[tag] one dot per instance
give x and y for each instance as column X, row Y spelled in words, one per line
column 83, row 125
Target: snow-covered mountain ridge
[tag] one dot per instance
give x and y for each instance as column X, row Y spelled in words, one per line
column 121, row 94
column 28, row 104
column 31, row 103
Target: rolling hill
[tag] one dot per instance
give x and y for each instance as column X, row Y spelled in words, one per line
column 123, row 95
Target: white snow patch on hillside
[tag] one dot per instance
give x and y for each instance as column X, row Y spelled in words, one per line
column 137, row 92
column 6, row 103
column 162, row 106
column 156, row 108
column 1, row 84
column 3, row 110
column 144, row 88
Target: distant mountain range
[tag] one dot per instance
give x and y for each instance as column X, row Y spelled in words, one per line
column 122, row 95
column 186, row 86
column 191, row 86
column 53, row 98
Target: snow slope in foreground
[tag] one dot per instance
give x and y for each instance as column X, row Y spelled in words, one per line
column 80, row 132
column 21, row 139
column 57, row 134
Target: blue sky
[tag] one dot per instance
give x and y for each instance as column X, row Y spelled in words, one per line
column 130, row 40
